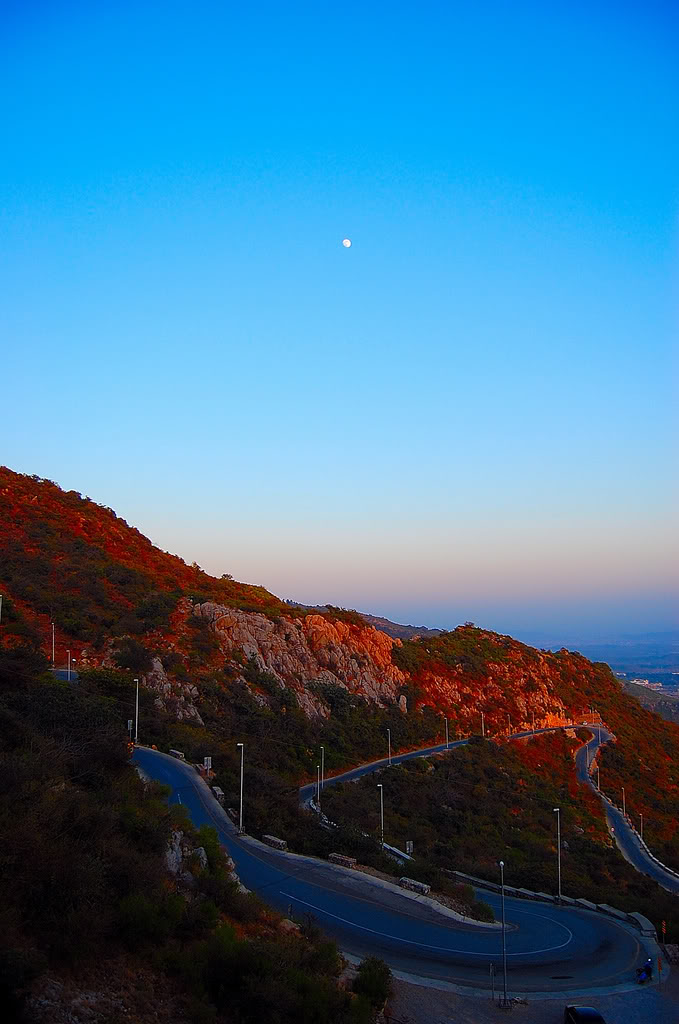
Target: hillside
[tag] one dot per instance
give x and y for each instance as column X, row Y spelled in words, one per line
column 225, row 653
column 487, row 800
column 119, row 601
column 147, row 922
column 664, row 704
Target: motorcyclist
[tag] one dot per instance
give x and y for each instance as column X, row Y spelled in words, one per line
column 645, row 973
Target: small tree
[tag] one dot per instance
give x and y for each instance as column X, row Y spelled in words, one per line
column 373, row 981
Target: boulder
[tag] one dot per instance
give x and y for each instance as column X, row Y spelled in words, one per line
column 288, row 927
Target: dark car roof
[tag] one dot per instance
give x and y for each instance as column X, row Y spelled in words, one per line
column 588, row 1013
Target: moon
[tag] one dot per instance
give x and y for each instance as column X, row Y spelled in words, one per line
column 346, row 242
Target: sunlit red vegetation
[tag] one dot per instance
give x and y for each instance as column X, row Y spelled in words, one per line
column 66, row 558
column 491, row 800
column 645, row 757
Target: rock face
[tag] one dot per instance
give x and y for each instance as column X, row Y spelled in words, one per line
column 301, row 653
column 177, row 697
column 180, row 857
column 312, row 649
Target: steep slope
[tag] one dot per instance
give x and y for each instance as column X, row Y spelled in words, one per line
column 118, row 601
column 666, row 705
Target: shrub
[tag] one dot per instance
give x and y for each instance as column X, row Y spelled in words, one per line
column 132, row 654
column 481, row 910
column 373, row 981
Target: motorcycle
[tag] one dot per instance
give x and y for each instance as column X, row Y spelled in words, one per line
column 645, row 973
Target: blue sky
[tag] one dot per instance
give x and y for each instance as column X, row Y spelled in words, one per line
column 468, row 414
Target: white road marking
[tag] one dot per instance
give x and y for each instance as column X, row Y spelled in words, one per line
column 424, row 945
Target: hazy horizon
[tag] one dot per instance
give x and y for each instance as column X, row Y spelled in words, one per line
column 470, row 414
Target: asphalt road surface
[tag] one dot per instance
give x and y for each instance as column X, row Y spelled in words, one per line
column 626, row 838
column 549, row 948
column 308, row 791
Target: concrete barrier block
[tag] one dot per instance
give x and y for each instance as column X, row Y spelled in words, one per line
column 612, row 911
column 587, row 904
column 527, row 894
column 340, row 858
column 568, row 901
column 645, row 926
column 415, row 886
column 546, row 896
column 278, row 844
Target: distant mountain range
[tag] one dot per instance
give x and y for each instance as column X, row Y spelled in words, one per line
column 395, row 629
column 636, row 654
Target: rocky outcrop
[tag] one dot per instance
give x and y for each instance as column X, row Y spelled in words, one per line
column 313, row 649
column 302, row 653
column 173, row 696
column 182, row 859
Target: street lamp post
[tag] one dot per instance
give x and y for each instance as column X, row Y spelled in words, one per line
column 136, row 712
column 505, row 1002
column 379, row 786
column 483, row 725
column 446, row 733
column 509, row 725
column 557, row 811
column 322, row 767
column 641, row 818
column 533, row 714
column 318, row 786
column 624, row 813
column 69, row 666
column 53, row 661
column 389, row 743
column 242, row 758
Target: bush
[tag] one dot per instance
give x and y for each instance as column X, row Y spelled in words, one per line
column 145, row 919
column 481, row 910
column 133, row 655
column 373, row 981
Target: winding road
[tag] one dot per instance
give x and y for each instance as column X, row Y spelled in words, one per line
column 307, row 791
column 549, row 948
column 627, row 840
